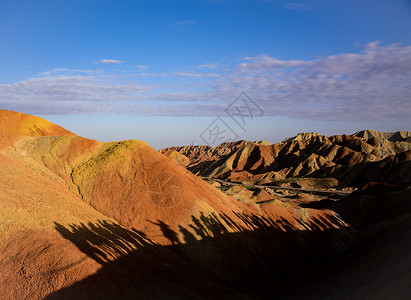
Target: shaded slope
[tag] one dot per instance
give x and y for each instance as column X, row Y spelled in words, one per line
column 291, row 255
column 134, row 267
column 380, row 266
column 374, row 205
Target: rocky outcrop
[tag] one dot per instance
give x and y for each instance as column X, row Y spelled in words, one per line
column 344, row 157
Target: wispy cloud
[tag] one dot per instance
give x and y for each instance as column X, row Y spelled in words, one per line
column 182, row 23
column 176, row 74
column 194, row 74
column 51, row 94
column 373, row 84
column 208, row 66
column 69, row 72
column 150, row 74
column 142, row 67
column 108, row 61
column 370, row 85
column 297, row 6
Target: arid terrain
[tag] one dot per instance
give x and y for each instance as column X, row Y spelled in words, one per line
column 313, row 217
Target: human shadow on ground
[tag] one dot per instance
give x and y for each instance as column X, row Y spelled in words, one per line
column 236, row 255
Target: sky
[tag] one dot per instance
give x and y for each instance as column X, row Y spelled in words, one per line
column 208, row 71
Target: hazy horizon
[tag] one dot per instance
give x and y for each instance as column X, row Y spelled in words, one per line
column 183, row 131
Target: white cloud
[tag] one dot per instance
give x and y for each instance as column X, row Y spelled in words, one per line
column 108, row 61
column 69, row 72
column 373, row 84
column 142, row 67
column 296, row 6
column 194, row 74
column 66, row 94
column 148, row 74
column 176, row 74
column 182, row 23
column 207, row 66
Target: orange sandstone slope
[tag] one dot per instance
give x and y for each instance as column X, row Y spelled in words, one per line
column 128, row 181
column 19, row 124
column 80, row 218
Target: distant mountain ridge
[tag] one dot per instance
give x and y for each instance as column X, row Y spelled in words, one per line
column 345, row 157
column 391, row 136
column 301, row 136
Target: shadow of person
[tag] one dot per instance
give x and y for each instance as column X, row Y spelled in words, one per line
column 187, row 235
column 168, row 233
column 198, row 227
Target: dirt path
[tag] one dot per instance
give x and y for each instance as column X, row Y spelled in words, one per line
column 313, row 191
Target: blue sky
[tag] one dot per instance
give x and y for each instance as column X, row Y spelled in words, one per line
column 162, row 71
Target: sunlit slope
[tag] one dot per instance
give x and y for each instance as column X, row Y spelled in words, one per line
column 35, row 260
column 306, row 155
column 41, row 204
column 128, row 181
column 78, row 213
column 50, row 239
column 15, row 123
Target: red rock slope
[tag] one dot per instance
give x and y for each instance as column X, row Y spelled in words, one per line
column 84, row 219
